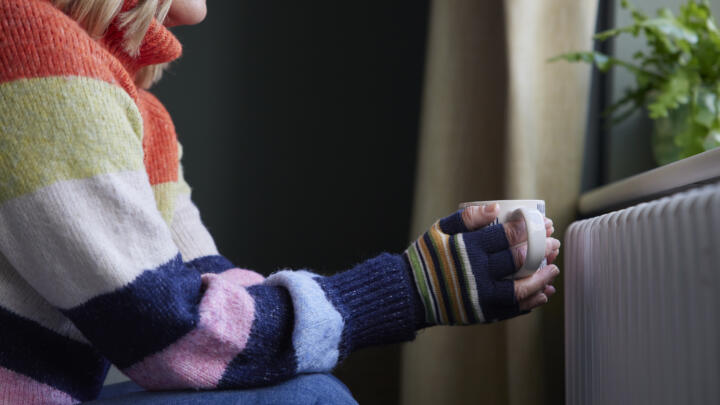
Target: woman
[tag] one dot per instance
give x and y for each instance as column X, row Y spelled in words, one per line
column 104, row 258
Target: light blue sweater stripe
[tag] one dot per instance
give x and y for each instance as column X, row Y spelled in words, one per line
column 318, row 325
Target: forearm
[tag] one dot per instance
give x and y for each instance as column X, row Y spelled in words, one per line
column 377, row 301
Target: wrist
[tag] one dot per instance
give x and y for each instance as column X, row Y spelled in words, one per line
column 420, row 317
column 376, row 301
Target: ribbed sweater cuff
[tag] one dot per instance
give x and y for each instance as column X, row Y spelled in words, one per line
column 377, row 300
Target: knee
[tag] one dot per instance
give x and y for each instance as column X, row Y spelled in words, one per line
column 320, row 389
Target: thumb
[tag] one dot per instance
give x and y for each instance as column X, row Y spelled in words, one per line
column 469, row 219
column 476, row 216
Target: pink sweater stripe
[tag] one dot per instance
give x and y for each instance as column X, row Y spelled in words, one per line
column 199, row 359
column 23, row 390
column 243, row 277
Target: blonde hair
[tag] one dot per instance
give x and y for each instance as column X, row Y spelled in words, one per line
column 95, row 17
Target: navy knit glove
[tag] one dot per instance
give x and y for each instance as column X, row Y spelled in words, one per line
column 460, row 274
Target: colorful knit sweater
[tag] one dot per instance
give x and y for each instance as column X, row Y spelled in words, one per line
column 104, row 258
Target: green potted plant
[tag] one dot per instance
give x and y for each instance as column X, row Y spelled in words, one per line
column 677, row 77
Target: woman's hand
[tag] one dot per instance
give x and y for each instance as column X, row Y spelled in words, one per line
column 460, row 267
column 530, row 291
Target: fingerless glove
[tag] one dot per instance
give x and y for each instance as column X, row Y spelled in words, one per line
column 460, row 274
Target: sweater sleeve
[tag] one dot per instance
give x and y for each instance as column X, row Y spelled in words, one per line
column 194, row 241
column 78, row 221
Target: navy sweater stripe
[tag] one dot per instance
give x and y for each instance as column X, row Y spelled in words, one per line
column 269, row 355
column 211, row 264
column 50, row 358
column 155, row 310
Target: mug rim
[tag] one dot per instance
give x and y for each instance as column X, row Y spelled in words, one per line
column 473, row 203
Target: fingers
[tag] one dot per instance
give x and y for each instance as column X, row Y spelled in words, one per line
column 533, row 302
column 549, row 228
column 507, row 261
column 537, row 300
column 500, row 301
column 549, row 290
column 476, row 217
column 469, row 219
column 529, row 286
column 553, row 255
column 517, row 233
column 501, row 264
column 519, row 252
column 490, row 239
column 511, row 298
column 453, row 224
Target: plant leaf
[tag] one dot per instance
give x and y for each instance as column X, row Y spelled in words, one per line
column 671, row 94
column 712, row 140
column 602, row 61
column 672, row 29
column 636, row 99
column 630, row 29
column 705, row 112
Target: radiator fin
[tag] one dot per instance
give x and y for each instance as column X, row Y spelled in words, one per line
column 642, row 303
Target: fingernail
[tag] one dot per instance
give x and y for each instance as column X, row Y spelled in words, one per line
column 489, row 208
column 555, row 270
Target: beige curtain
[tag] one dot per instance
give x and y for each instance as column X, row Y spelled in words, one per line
column 499, row 122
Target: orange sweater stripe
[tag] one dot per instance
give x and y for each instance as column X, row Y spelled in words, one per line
column 58, row 46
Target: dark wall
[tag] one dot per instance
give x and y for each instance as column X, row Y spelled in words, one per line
column 299, row 122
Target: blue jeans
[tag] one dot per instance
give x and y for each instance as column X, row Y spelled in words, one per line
column 303, row 389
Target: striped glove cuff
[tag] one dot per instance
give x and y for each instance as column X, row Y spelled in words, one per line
column 459, row 274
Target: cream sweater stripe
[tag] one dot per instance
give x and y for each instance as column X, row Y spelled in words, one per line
column 188, row 231
column 88, row 236
column 18, row 297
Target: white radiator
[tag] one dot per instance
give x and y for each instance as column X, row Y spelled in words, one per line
column 642, row 303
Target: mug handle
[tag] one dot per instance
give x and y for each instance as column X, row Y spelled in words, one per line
column 535, row 226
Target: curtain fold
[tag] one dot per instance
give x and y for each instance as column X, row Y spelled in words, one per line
column 499, row 122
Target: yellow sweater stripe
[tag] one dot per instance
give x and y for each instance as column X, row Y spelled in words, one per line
column 63, row 128
column 165, row 195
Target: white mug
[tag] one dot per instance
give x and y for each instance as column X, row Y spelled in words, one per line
column 533, row 212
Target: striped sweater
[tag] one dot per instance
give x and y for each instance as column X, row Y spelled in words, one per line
column 104, row 258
